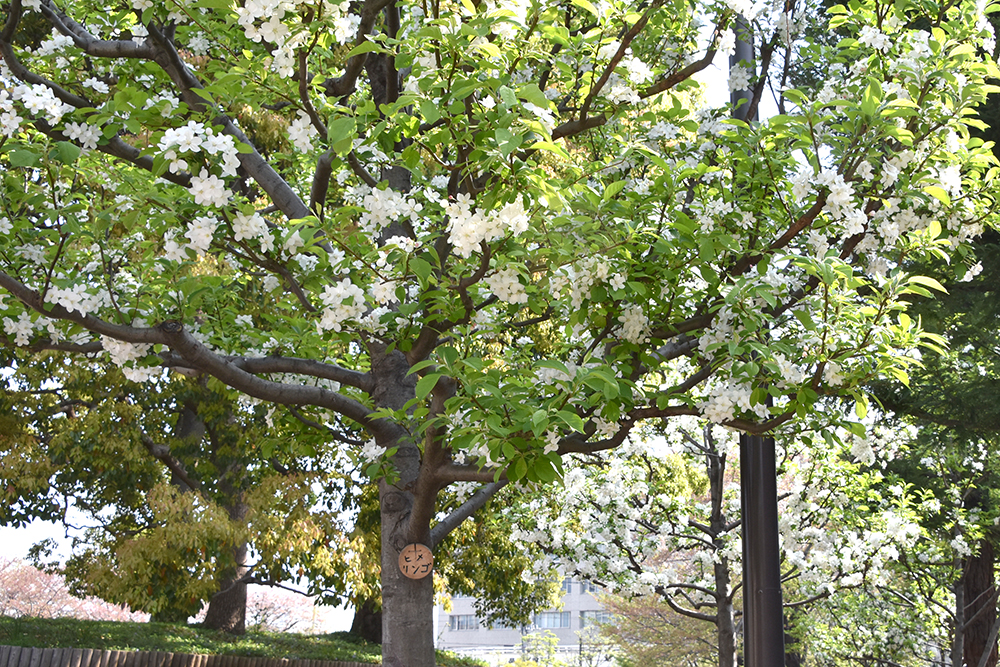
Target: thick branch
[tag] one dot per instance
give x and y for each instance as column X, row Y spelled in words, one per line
column 280, row 192
column 204, row 359
column 683, row 611
column 344, row 84
column 680, row 75
column 626, row 40
column 321, row 181
column 453, row 520
column 89, row 44
column 199, row 357
column 451, row 472
column 310, row 367
column 162, row 453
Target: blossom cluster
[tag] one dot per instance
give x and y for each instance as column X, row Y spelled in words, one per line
column 726, row 399
column 36, row 99
column 635, row 324
column 266, row 20
column 77, row 298
column 382, row 207
column 302, row 132
column 506, row 285
column 343, row 301
column 193, row 138
column 468, row 228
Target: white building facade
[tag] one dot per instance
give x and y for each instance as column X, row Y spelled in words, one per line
column 573, row 625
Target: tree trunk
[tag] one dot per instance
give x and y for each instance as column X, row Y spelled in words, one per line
column 368, row 621
column 726, row 625
column 794, row 656
column 957, row 635
column 980, row 606
column 725, row 615
column 227, row 610
column 407, row 604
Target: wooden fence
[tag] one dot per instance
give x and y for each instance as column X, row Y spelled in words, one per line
column 16, row 656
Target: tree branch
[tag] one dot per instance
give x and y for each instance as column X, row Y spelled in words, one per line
column 89, row 44
column 280, row 192
column 453, row 520
column 162, row 453
column 310, row 367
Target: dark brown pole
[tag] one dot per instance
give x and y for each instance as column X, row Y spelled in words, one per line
column 763, row 628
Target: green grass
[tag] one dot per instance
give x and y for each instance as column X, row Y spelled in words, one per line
column 109, row 635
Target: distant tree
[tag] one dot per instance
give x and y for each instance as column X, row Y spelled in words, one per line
column 27, row 591
column 646, row 631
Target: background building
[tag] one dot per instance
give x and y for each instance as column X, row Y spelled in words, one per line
column 461, row 631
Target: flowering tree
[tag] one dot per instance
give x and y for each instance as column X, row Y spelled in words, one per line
column 631, row 521
column 28, row 591
column 487, row 234
column 958, row 426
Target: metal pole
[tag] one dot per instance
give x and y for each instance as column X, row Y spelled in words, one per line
column 763, row 623
column 763, row 626
column 743, row 50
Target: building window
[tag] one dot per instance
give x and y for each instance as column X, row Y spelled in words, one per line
column 567, row 586
column 596, row 617
column 551, row 620
column 463, row 622
column 590, row 587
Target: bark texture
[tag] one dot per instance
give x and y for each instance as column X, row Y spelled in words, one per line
column 227, row 610
column 368, row 621
column 407, row 604
column 980, row 606
column 725, row 619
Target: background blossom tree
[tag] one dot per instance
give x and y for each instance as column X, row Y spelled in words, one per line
column 28, row 591
column 486, row 234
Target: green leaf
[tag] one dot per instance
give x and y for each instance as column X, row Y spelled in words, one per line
column 554, row 364
column 24, row 158
column 421, row 268
column 571, row 419
column 364, row 47
column 544, row 470
column 507, row 96
column 584, row 4
column 871, row 99
column 928, row 282
column 856, row 428
column 420, row 365
column 448, row 354
column 938, row 193
column 340, row 133
column 532, row 93
column 804, row 318
column 429, row 111
column 613, row 190
column 426, row 384
column 550, row 147
column 507, row 141
column 66, row 152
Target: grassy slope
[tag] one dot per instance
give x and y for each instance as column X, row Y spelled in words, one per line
column 74, row 633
